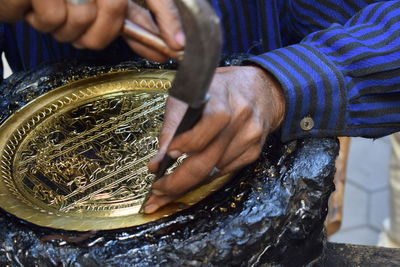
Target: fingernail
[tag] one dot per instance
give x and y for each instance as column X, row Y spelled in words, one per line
column 150, row 208
column 180, row 38
column 157, row 192
column 174, row 154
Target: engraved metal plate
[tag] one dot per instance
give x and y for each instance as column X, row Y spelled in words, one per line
column 75, row 158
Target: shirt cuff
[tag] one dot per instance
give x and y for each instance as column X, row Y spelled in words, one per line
column 314, row 91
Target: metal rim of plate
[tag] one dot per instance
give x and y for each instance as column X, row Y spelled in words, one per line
column 65, row 156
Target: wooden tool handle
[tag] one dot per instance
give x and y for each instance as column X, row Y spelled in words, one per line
column 135, row 31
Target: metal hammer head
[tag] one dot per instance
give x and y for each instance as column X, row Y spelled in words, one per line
column 202, row 51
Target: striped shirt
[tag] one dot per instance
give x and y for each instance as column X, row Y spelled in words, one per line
column 338, row 61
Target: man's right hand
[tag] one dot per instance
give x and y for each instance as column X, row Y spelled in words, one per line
column 95, row 24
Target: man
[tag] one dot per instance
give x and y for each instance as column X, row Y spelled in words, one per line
column 323, row 68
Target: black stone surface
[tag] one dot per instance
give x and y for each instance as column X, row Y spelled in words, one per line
column 336, row 254
column 270, row 214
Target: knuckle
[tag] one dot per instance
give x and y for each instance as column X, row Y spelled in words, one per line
column 256, row 133
column 52, row 18
column 195, row 146
column 201, row 144
column 253, row 154
column 187, row 145
column 218, row 111
column 243, row 111
column 81, row 21
column 222, row 116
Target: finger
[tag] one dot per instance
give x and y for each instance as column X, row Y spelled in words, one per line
column 145, row 51
column 140, row 16
column 12, row 11
column 250, row 135
column 155, row 202
column 193, row 171
column 249, row 156
column 47, row 15
column 79, row 18
column 216, row 117
column 174, row 110
column 168, row 20
column 107, row 25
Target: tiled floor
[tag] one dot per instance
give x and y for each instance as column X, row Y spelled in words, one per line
column 366, row 199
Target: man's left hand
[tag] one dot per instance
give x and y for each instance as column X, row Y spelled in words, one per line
column 246, row 104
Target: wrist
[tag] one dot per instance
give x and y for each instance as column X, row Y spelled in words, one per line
column 277, row 103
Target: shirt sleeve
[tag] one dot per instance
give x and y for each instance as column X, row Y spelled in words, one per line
column 343, row 80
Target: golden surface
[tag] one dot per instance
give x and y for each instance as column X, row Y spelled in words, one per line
column 75, row 158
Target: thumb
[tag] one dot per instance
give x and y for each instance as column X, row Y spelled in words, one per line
column 174, row 111
column 169, row 22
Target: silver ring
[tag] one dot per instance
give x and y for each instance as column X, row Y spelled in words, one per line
column 78, row 2
column 214, row 171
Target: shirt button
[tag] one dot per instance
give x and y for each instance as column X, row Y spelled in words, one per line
column 307, row 123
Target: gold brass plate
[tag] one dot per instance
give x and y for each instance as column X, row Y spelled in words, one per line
column 75, row 158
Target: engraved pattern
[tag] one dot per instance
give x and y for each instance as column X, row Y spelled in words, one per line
column 91, row 157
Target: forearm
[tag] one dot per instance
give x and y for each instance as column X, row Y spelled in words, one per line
column 343, row 80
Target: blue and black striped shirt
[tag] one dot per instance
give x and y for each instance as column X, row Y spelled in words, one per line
column 338, row 61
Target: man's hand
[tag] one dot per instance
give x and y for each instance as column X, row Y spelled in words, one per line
column 95, row 24
column 246, row 104
column 91, row 25
column 167, row 26
column 13, row 10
